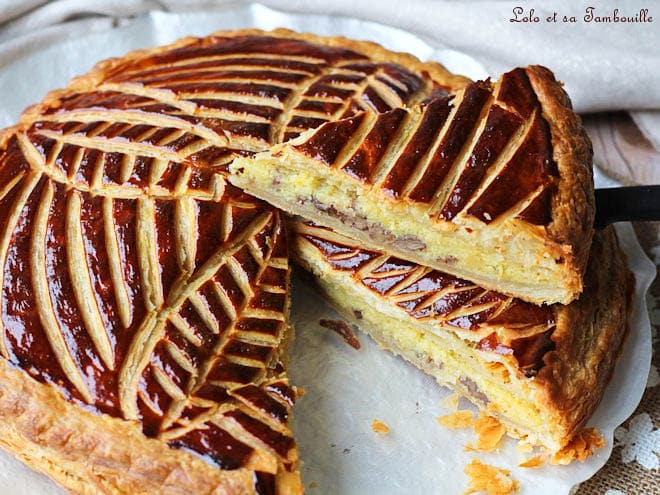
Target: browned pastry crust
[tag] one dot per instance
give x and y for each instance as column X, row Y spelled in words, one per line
column 434, row 73
column 589, row 337
column 145, row 298
column 94, row 454
column 491, row 183
column 573, row 205
column 540, row 370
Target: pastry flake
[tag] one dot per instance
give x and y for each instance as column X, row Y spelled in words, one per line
column 581, row 446
column 377, row 426
column 458, row 419
column 489, row 480
column 534, row 461
column 489, row 433
column 451, row 401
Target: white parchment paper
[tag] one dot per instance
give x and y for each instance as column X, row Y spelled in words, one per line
column 346, row 389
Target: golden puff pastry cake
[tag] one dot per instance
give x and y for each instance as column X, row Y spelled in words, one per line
column 144, row 298
column 492, row 184
column 540, row 370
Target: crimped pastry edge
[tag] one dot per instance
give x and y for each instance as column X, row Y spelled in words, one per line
column 589, row 338
column 573, row 204
column 90, row 454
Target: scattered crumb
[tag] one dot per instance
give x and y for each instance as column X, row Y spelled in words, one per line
column 489, row 433
column 346, row 451
column 312, row 485
column 534, row 462
column 451, row 402
column 489, row 479
column 583, row 444
column 489, row 430
column 379, row 427
column 524, row 446
column 344, row 330
column 458, row 419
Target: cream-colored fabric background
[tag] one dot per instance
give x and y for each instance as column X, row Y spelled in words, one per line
column 605, row 65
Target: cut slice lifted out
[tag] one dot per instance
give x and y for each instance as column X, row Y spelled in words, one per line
column 539, row 370
column 492, row 183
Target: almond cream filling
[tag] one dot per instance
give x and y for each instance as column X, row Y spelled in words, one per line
column 508, row 258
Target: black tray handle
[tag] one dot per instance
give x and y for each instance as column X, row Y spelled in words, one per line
column 620, row 204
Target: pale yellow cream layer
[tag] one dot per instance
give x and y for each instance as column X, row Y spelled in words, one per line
column 511, row 260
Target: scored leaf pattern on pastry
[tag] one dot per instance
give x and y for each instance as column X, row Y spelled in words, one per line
column 485, row 152
column 134, row 276
column 153, row 308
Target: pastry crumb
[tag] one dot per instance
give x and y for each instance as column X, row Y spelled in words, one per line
column 488, row 479
column 379, row 427
column 534, row 461
column 489, row 433
column 312, row 485
column 458, row 419
column 582, row 445
column 489, row 430
column 344, row 330
column 524, row 446
column 451, row 402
